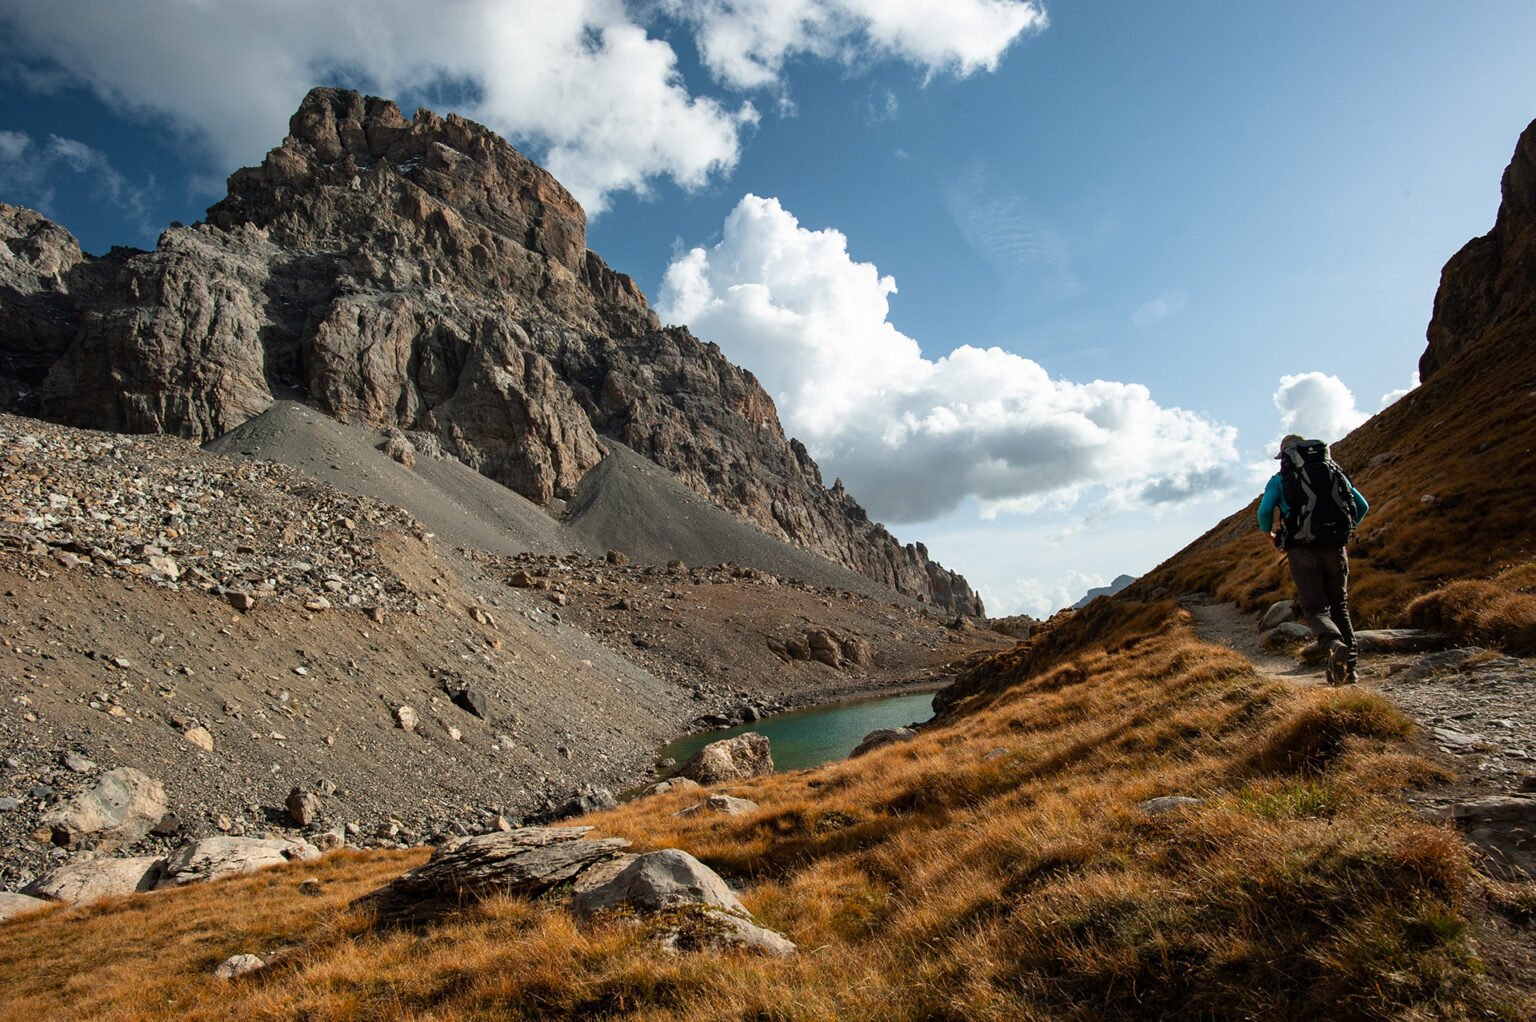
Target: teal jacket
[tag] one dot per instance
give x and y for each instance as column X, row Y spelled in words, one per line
column 1274, row 497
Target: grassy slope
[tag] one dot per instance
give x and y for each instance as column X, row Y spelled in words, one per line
column 997, row 867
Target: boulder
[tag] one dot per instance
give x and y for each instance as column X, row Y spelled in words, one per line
column 303, row 807
column 13, row 904
column 703, row 929
column 731, row 759
column 523, row 861
column 472, row 700
column 724, row 804
column 122, row 807
column 215, row 857
column 672, row 784
column 1503, row 828
column 670, row 878
column 80, row 883
column 883, row 737
column 1287, row 633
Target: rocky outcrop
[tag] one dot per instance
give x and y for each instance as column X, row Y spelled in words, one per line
column 416, row 275
column 1492, row 280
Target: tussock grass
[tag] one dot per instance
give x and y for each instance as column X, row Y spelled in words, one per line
column 1500, row 611
column 996, row 867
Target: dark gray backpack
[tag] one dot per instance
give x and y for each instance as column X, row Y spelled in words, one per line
column 1319, row 500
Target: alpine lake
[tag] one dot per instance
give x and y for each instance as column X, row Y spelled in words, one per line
column 819, row 734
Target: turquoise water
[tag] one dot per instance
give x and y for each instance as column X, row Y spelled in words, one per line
column 807, row 738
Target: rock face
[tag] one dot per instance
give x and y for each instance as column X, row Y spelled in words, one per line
column 1492, row 280
column 420, row 276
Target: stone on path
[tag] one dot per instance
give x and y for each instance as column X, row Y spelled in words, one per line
column 1280, row 611
column 1398, row 640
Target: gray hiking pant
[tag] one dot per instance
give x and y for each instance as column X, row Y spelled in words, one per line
column 1322, row 582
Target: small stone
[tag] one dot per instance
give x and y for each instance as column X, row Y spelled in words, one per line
column 200, row 737
column 76, row 763
column 406, row 718
column 237, row 965
column 243, row 602
column 310, row 887
column 1167, row 803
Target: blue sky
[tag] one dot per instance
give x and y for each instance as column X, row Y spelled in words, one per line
column 1043, row 284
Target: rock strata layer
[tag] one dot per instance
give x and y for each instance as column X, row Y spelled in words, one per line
column 417, row 275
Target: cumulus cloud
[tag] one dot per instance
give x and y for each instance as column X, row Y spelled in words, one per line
column 1316, row 405
column 1391, row 396
column 747, row 42
column 589, row 88
column 31, row 171
column 915, row 437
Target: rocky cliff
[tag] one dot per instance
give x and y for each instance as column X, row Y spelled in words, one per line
column 419, row 275
column 1492, row 280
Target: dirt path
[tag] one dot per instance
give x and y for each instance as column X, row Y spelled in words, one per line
column 1473, row 708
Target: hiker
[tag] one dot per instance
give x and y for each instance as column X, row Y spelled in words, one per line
column 1319, row 509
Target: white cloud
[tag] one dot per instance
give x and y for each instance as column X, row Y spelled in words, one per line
column 584, row 83
column 913, row 437
column 1169, row 303
column 30, row 173
column 1316, row 405
column 747, row 42
column 1391, row 396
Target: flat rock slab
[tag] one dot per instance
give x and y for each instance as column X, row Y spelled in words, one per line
column 523, row 861
column 215, row 857
column 13, row 904
column 727, row 805
column 81, row 883
column 1503, row 828
column 1399, row 640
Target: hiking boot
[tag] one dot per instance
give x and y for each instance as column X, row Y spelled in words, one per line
column 1351, row 676
column 1338, row 653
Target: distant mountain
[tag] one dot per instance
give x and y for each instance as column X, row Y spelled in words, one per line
column 423, row 276
column 1120, row 582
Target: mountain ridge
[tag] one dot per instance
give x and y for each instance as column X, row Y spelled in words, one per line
column 419, row 275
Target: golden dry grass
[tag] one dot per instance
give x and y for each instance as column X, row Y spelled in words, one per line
column 996, row 867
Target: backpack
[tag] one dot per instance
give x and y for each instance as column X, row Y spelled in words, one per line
column 1319, row 500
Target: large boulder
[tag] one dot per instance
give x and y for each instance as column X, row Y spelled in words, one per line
column 670, row 878
column 80, row 883
column 122, row 807
column 525, row 861
column 731, row 759
column 215, row 857
column 701, row 909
